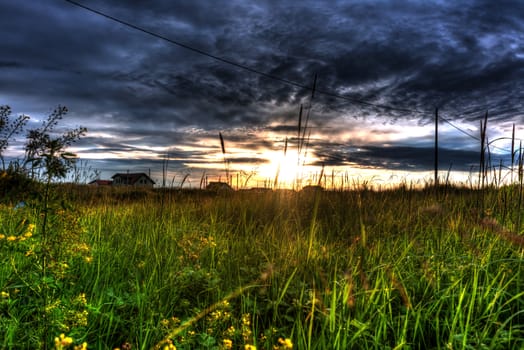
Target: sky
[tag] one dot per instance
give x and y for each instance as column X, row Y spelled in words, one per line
column 156, row 93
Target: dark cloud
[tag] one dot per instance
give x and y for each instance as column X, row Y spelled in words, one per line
column 402, row 158
column 146, row 94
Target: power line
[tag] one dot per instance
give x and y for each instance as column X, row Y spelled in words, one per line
column 242, row 66
column 459, row 129
column 471, row 135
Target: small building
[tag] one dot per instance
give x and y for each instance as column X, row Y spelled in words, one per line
column 99, row 182
column 132, row 179
column 260, row 190
column 312, row 189
column 217, row 186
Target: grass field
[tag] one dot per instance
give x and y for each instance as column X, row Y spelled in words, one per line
column 399, row 269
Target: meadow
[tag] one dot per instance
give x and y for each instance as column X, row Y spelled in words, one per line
column 137, row 269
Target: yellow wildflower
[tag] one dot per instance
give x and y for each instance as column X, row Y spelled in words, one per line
column 4, row 295
column 63, row 341
column 286, row 343
column 211, row 242
column 250, row 347
column 2, row 236
column 228, row 343
column 81, row 299
column 246, row 319
column 170, row 346
column 80, row 318
column 81, row 347
column 231, row 331
column 82, row 247
column 11, row 238
column 246, row 330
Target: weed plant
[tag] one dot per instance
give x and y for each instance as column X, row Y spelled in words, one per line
column 400, row 269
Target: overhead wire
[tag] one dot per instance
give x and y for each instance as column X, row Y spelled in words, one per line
column 471, row 135
column 458, row 128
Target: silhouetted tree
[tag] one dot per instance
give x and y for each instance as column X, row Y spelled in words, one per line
column 45, row 153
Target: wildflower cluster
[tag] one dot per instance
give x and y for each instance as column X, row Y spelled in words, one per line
column 221, row 314
column 224, row 331
column 227, row 343
column 283, row 344
column 68, row 314
column 67, row 244
column 247, row 334
column 63, row 342
column 169, row 323
column 217, row 322
column 193, row 250
column 271, row 338
column 23, row 232
column 169, row 346
column 44, row 256
column 77, row 313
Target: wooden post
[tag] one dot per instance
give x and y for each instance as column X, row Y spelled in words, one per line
column 483, row 144
column 512, row 152
column 436, row 147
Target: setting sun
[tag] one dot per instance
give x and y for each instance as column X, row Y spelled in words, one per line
column 285, row 170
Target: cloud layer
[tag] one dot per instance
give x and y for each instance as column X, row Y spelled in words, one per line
column 143, row 96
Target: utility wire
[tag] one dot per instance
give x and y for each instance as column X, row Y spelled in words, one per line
column 459, row 129
column 469, row 134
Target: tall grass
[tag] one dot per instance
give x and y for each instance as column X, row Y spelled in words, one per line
column 323, row 270
column 226, row 162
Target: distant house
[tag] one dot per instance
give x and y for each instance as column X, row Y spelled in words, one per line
column 101, row 182
column 132, row 179
column 260, row 190
column 217, row 186
column 312, row 189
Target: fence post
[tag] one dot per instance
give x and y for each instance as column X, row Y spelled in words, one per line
column 436, row 147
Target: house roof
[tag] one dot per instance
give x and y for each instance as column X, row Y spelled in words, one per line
column 218, row 186
column 101, row 182
column 132, row 178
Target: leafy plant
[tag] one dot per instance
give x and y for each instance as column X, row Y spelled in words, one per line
column 9, row 129
column 42, row 150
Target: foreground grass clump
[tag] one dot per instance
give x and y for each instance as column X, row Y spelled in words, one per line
column 326, row 270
